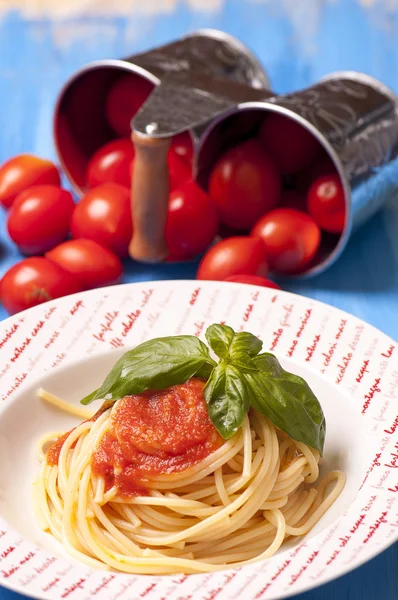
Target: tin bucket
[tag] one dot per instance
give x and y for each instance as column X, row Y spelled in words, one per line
column 81, row 125
column 355, row 119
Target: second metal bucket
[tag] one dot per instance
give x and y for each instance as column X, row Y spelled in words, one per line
column 355, row 119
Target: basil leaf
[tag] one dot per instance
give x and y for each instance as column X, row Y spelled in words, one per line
column 227, row 398
column 242, row 361
column 288, row 401
column 246, row 343
column 220, row 338
column 88, row 399
column 156, row 364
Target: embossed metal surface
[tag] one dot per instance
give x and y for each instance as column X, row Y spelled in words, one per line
column 207, row 51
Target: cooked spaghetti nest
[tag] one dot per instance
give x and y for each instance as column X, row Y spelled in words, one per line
column 236, row 506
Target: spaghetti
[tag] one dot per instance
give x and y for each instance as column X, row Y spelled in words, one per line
column 174, row 498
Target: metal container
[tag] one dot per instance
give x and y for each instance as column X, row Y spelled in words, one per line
column 355, row 118
column 80, row 123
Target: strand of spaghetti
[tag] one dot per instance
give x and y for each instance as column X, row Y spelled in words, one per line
column 276, row 544
column 76, row 411
column 320, row 511
column 222, row 492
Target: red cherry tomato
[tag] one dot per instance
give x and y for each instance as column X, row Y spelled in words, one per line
column 253, row 280
column 182, row 146
column 326, row 203
column 179, row 171
column 291, row 239
column 112, row 162
column 192, row 221
column 244, row 185
column 93, row 264
column 104, row 215
column 294, row 199
column 40, row 218
column 234, row 256
column 124, row 100
column 23, row 171
column 306, row 177
column 291, row 146
column 33, row 281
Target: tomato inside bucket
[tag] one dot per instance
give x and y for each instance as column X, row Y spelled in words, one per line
column 270, row 177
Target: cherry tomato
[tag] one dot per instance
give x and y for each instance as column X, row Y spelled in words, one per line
column 112, row 162
column 179, row 171
column 306, row 177
column 192, row 221
column 23, row 171
column 33, row 281
column 93, row 264
column 253, row 280
column 244, row 184
column 124, row 100
column 104, row 215
column 291, row 239
column 293, row 199
column 40, row 218
column 291, row 146
column 326, row 203
column 234, row 256
column 182, row 146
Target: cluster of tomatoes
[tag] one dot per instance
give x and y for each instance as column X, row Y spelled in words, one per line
column 269, row 197
column 280, row 188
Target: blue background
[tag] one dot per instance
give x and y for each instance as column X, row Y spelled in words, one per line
column 298, row 41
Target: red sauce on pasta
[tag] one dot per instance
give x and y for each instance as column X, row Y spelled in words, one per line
column 152, row 434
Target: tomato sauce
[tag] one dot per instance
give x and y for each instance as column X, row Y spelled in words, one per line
column 155, row 433
column 52, row 455
column 54, row 450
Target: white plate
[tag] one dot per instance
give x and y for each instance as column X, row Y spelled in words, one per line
column 68, row 345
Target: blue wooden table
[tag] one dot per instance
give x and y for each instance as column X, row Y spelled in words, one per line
column 298, row 42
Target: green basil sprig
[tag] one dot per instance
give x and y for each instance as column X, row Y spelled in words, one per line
column 155, row 365
column 241, row 378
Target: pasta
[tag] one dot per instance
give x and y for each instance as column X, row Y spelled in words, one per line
column 232, row 506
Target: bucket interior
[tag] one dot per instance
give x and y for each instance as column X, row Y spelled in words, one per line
column 306, row 167
column 93, row 110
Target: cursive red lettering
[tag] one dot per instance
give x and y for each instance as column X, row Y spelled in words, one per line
column 341, row 328
column 276, row 337
column 304, row 322
column 343, row 367
column 370, row 395
column 194, row 296
column 106, row 325
column 129, row 322
column 8, row 334
column 311, row 349
column 76, row 307
column 375, row 527
column 389, row 352
column 292, row 348
column 363, row 370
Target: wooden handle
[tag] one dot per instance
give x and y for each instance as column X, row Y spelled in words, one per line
column 149, row 199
